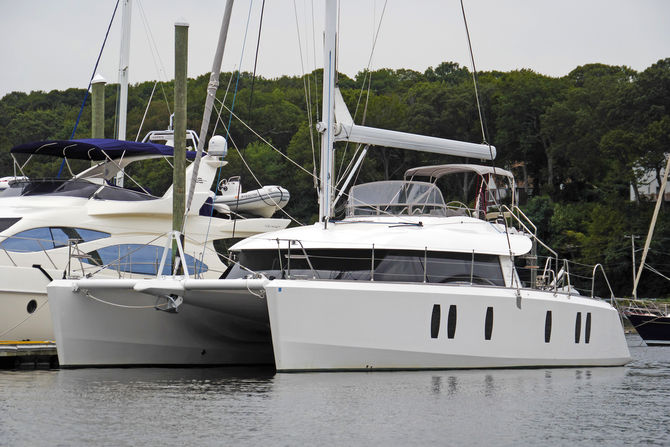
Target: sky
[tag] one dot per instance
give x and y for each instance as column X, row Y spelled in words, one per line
column 53, row 44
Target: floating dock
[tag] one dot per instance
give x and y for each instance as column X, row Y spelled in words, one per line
column 28, row 354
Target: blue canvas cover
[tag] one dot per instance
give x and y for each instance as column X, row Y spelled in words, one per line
column 95, row 149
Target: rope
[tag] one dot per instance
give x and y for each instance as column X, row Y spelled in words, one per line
column 123, row 306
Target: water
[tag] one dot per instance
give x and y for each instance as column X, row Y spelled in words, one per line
column 218, row 406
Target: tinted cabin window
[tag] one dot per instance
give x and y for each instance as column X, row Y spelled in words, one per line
column 587, row 329
column 358, row 265
column 56, row 187
column 140, row 259
column 46, row 238
column 6, row 222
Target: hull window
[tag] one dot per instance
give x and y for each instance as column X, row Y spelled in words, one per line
column 578, row 326
column 587, row 329
column 547, row 327
column 31, row 307
column 451, row 321
column 47, row 238
column 488, row 324
column 435, row 321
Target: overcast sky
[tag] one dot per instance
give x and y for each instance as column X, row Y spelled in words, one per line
column 53, row 44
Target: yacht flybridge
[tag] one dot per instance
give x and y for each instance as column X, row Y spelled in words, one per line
column 404, row 281
column 73, row 227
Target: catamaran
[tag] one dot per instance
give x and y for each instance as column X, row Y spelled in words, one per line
column 403, row 281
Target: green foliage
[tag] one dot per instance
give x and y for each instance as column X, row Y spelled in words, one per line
column 575, row 142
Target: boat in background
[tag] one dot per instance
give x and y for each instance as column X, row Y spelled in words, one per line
column 651, row 320
column 263, row 202
column 86, row 226
column 6, row 182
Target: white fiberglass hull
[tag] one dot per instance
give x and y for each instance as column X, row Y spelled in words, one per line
column 25, row 309
column 340, row 325
column 313, row 325
column 114, row 325
column 21, row 281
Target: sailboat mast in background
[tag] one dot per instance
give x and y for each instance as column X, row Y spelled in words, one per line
column 124, row 64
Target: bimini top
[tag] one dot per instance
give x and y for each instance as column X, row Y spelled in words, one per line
column 96, row 149
column 442, row 170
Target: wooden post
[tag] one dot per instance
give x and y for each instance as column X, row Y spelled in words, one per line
column 98, row 107
column 179, row 174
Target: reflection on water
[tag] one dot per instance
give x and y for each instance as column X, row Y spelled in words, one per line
column 216, row 406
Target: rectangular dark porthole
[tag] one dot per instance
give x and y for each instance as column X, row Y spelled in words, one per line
column 488, row 324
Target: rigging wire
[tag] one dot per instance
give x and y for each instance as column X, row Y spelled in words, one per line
column 155, row 55
column 289, row 159
column 81, row 109
column 258, row 44
column 308, row 102
column 316, row 83
column 227, row 128
column 484, row 129
column 474, row 80
column 139, row 130
column 368, row 76
column 241, row 155
column 88, row 89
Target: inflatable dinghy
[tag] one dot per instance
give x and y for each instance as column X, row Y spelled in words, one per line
column 263, row 202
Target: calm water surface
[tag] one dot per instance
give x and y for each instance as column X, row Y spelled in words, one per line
column 218, row 406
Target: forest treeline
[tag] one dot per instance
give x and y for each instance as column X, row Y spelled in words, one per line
column 576, row 143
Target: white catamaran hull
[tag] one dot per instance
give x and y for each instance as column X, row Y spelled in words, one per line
column 340, row 325
column 107, row 322
column 306, row 325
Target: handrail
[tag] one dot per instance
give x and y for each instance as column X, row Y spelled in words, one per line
column 566, row 266
column 552, row 277
column 527, row 230
column 593, row 280
column 315, row 275
column 516, row 208
column 8, row 256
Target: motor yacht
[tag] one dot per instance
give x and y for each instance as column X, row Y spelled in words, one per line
column 85, row 226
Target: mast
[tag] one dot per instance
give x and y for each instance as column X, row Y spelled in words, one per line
column 328, row 112
column 124, row 63
column 211, row 95
column 659, row 199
